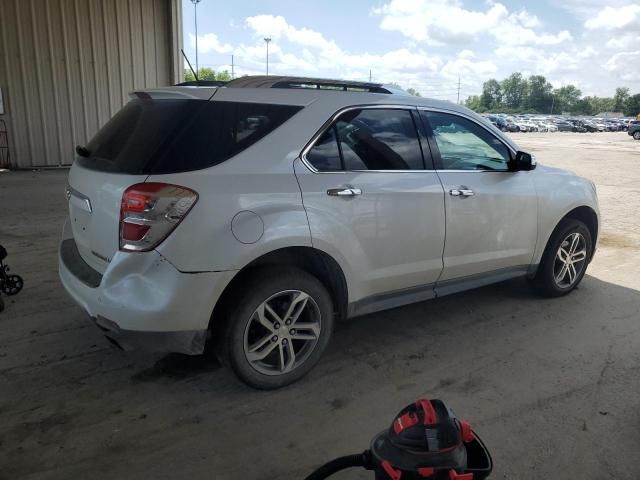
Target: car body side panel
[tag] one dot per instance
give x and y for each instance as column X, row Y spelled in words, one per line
column 265, row 210
column 559, row 192
column 391, row 236
column 493, row 229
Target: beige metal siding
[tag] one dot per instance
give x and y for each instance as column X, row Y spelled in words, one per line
column 66, row 66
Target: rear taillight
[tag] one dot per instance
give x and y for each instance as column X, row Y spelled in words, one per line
column 150, row 211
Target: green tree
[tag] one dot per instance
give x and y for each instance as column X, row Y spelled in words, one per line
column 474, row 102
column 620, row 99
column 583, row 107
column 632, row 106
column 514, row 91
column 540, row 92
column 491, row 97
column 601, row 104
column 206, row 73
column 566, row 98
column 223, row 76
column 414, row 92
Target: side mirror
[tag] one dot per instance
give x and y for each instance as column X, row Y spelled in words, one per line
column 523, row 162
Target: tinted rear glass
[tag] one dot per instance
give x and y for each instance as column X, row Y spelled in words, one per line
column 170, row 136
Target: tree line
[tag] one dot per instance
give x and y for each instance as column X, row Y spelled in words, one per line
column 205, row 73
column 517, row 94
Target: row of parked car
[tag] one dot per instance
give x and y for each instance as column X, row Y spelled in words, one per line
column 537, row 123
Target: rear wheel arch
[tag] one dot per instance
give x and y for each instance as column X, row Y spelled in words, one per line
column 311, row 260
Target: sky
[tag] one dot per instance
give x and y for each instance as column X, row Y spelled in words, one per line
column 427, row 45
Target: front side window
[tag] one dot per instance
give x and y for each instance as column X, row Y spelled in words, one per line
column 369, row 139
column 464, row 145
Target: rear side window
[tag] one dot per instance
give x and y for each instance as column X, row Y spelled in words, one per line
column 325, row 154
column 170, row 136
column 369, row 139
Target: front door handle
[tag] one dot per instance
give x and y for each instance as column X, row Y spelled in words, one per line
column 347, row 191
column 461, row 192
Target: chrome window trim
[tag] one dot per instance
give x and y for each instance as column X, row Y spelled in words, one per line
column 475, row 122
column 334, row 117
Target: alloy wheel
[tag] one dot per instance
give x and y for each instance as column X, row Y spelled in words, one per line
column 282, row 332
column 570, row 260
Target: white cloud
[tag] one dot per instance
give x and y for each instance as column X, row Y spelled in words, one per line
column 625, row 65
column 623, row 42
column 615, row 18
column 442, row 22
column 276, row 27
column 209, row 43
column 441, row 41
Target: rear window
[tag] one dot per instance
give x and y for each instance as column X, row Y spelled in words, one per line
column 169, row 136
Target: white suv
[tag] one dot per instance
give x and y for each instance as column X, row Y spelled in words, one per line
column 256, row 214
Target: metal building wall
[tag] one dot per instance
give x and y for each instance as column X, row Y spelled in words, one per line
column 66, row 66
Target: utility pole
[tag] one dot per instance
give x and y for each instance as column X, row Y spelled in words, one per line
column 553, row 99
column 232, row 68
column 369, row 75
column 267, row 40
column 458, row 89
column 195, row 14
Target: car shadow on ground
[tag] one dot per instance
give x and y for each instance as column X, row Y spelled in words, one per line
column 364, row 335
column 501, row 352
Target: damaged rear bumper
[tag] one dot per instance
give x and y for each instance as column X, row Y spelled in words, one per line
column 190, row 342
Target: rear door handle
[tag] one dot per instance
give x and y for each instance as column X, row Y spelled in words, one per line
column 461, row 192
column 347, row 191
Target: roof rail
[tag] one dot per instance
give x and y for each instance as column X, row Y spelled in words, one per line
column 273, row 81
column 202, row 83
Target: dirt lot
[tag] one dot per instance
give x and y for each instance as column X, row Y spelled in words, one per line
column 553, row 386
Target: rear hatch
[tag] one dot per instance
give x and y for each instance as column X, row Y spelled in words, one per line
column 155, row 136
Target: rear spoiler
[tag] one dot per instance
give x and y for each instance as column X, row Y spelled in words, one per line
column 175, row 92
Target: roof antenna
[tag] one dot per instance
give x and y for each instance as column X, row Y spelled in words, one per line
column 195, row 75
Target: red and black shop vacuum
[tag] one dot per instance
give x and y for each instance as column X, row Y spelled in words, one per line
column 426, row 441
column 10, row 284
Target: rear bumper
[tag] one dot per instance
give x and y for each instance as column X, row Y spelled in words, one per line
column 190, row 342
column 142, row 301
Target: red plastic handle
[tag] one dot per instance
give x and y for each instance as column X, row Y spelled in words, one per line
column 430, row 416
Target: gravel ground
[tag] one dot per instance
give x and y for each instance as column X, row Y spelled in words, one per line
column 553, row 386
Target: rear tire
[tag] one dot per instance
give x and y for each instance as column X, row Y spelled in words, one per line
column 565, row 259
column 265, row 347
column 636, row 135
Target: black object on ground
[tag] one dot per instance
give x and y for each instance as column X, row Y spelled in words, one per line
column 10, row 284
column 425, row 441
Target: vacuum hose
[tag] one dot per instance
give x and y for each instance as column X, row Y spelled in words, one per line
column 341, row 463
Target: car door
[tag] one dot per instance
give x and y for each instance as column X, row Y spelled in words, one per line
column 373, row 205
column 491, row 212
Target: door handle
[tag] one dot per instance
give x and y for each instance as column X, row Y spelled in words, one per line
column 461, row 192
column 347, row 191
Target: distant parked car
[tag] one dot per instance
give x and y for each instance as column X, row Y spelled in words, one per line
column 588, row 126
column 601, row 126
column 567, row 126
column 634, row 130
column 577, row 126
column 498, row 121
column 511, row 127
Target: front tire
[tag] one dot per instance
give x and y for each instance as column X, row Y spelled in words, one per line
column 636, row 135
column 278, row 329
column 565, row 259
